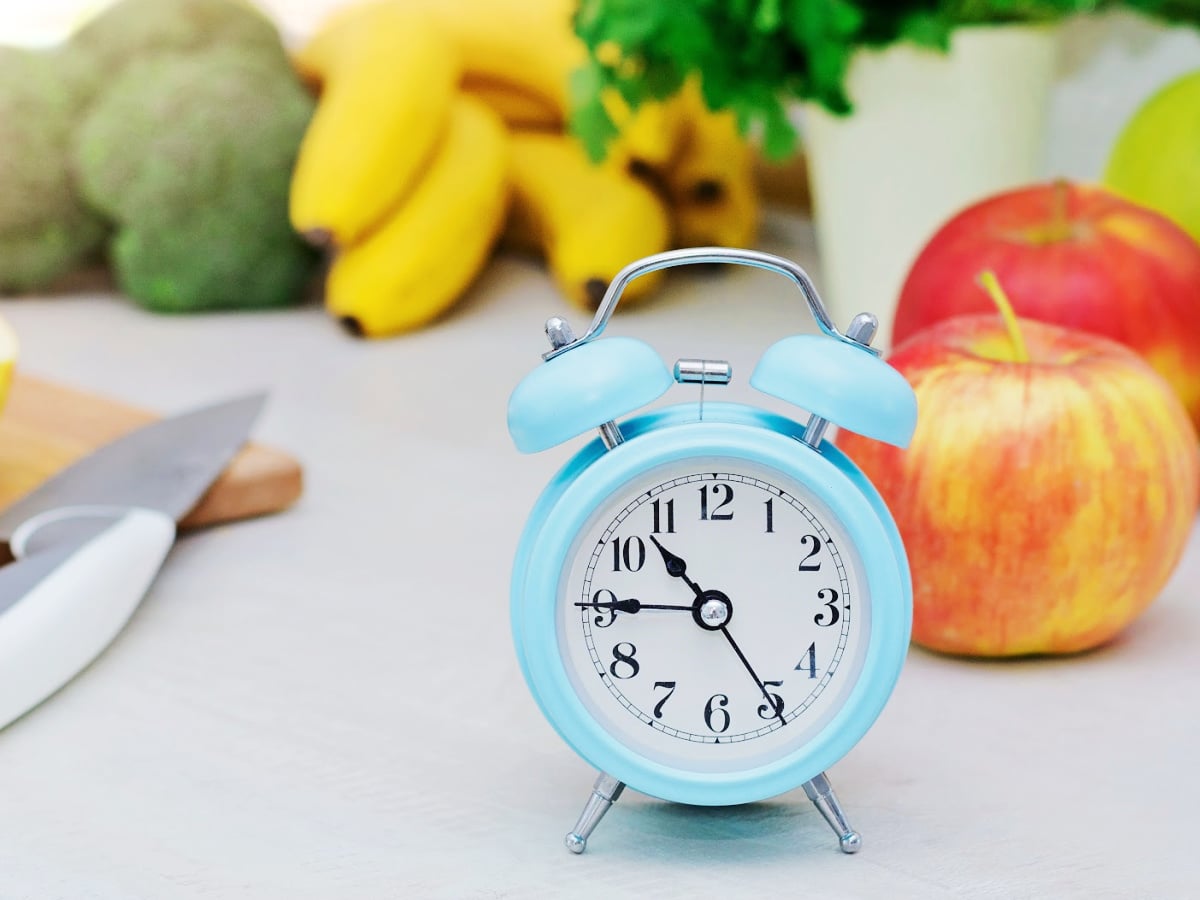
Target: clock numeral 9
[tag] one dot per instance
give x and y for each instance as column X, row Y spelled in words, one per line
column 776, row 707
column 632, row 553
column 718, row 712
column 718, row 490
column 599, row 597
column 624, row 660
column 829, row 597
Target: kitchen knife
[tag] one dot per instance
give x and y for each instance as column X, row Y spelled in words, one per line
column 89, row 541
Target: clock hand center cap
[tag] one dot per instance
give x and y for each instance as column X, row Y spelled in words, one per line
column 712, row 610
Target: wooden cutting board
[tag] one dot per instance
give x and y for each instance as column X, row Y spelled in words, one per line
column 45, row 426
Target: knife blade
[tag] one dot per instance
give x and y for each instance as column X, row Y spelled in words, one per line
column 166, row 465
column 89, row 542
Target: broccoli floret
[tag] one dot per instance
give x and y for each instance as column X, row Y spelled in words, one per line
column 191, row 156
column 130, row 30
column 44, row 229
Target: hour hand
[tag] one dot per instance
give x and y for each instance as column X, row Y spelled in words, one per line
column 632, row 605
column 676, row 566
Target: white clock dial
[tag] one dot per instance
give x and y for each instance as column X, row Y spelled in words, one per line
column 714, row 615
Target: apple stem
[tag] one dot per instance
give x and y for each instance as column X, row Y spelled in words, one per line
column 991, row 284
column 1060, row 225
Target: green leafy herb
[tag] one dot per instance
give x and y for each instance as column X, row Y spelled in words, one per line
column 754, row 55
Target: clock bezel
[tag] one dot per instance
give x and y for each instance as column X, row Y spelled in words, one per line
column 669, row 436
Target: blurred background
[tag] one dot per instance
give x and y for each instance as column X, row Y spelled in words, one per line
column 955, row 102
column 372, row 207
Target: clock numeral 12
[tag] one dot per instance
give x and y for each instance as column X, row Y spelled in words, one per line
column 717, row 489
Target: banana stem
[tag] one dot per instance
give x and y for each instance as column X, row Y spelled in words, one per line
column 991, row 284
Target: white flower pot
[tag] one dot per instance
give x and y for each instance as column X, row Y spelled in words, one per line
column 930, row 133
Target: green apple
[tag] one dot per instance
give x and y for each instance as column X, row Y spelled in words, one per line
column 1156, row 160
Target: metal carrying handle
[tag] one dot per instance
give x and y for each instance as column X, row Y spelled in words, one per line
column 699, row 255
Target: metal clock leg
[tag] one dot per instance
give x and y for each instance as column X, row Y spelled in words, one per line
column 605, row 792
column 820, row 792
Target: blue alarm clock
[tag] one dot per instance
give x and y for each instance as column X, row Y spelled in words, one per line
column 710, row 602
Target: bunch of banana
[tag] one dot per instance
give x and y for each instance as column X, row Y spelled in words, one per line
column 401, row 175
column 441, row 124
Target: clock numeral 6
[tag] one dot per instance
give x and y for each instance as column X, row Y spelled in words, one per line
column 631, row 552
column 624, row 660
column 829, row 597
column 718, row 712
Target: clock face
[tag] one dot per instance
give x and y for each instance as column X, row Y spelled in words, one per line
column 713, row 615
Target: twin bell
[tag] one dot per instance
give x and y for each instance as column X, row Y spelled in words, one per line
column 585, row 383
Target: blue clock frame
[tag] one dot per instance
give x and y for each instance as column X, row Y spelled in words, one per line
column 672, row 434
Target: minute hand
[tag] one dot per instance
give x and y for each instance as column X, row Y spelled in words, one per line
column 758, row 681
column 676, row 566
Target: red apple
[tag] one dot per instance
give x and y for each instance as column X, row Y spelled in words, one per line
column 1076, row 256
column 1044, row 501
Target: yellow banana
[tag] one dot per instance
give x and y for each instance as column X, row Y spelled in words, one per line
column 527, row 45
column 729, row 221
column 423, row 257
column 711, row 186
column 517, row 106
column 387, row 76
column 589, row 221
column 652, row 136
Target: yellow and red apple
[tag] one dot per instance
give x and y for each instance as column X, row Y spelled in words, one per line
column 1076, row 256
column 1049, row 489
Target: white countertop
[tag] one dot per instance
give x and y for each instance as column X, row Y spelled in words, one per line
column 325, row 703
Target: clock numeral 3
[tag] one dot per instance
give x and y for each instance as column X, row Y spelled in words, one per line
column 808, row 662
column 829, row 597
column 669, row 507
column 659, row 705
column 632, row 553
column 776, row 707
column 624, row 660
column 815, row 542
column 718, row 712
column 718, row 490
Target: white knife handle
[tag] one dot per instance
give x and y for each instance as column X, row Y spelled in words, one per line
column 69, row 616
